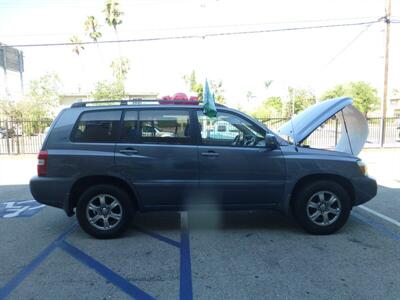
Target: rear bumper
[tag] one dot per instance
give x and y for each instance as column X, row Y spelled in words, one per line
column 51, row 191
column 365, row 189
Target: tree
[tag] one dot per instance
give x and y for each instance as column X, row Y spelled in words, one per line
column 271, row 107
column 42, row 98
column 40, row 102
column 106, row 90
column 299, row 99
column 249, row 96
column 91, row 27
column 197, row 88
column 120, row 68
column 77, row 47
column 113, row 14
column 113, row 19
column 10, row 109
column 267, row 83
column 218, row 90
column 193, row 85
column 365, row 96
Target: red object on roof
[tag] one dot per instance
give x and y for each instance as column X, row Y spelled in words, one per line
column 166, row 100
column 181, row 98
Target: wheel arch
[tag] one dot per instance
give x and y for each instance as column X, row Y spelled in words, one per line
column 83, row 183
column 342, row 181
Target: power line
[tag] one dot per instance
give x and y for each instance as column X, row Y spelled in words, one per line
column 199, row 36
column 348, row 45
column 213, row 26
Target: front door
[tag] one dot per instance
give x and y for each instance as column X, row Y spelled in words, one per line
column 235, row 167
column 158, row 156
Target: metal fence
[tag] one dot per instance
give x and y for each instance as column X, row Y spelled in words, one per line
column 22, row 137
column 27, row 136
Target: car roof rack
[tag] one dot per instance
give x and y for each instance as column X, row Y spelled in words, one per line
column 139, row 101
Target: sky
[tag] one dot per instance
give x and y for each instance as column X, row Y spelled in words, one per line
column 314, row 59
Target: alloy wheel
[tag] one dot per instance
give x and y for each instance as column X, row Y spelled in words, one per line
column 104, row 212
column 323, row 208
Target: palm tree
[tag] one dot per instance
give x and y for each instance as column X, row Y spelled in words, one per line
column 113, row 19
column 91, row 26
column 113, row 14
column 267, row 83
column 120, row 67
column 77, row 49
column 77, row 44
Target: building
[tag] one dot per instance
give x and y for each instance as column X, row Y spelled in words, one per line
column 395, row 107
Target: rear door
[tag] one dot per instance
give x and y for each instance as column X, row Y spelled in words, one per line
column 157, row 153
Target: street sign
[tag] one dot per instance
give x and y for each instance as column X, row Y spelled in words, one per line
column 11, row 58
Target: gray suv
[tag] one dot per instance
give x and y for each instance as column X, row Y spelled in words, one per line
column 106, row 161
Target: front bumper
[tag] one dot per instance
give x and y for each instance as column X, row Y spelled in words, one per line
column 52, row 191
column 365, row 189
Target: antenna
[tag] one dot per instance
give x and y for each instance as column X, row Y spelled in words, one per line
column 294, row 135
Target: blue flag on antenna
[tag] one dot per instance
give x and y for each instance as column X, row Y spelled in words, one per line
column 209, row 107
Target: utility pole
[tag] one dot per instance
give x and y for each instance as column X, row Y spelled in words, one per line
column 386, row 74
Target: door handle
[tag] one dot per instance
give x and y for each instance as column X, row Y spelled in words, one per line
column 128, row 151
column 210, row 154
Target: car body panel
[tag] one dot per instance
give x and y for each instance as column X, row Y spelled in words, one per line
column 312, row 117
column 303, row 162
column 353, row 123
column 356, row 128
column 241, row 176
column 163, row 175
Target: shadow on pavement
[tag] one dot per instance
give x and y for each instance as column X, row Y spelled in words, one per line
column 216, row 220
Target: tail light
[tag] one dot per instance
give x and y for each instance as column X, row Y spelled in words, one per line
column 42, row 163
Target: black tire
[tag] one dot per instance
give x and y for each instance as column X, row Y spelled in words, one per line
column 124, row 210
column 309, row 195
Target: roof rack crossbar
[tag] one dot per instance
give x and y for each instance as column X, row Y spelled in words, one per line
column 139, row 101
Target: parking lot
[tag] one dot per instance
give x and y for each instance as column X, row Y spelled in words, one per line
column 199, row 255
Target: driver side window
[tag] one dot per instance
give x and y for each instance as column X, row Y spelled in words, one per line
column 229, row 130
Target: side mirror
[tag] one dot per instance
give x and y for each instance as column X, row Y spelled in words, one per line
column 271, row 143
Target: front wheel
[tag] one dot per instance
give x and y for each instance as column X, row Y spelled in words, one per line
column 104, row 211
column 322, row 207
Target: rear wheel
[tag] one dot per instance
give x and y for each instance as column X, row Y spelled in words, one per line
column 322, row 207
column 104, row 211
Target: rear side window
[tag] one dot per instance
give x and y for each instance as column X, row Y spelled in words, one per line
column 164, row 126
column 97, row 127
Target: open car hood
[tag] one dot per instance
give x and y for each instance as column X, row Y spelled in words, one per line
column 353, row 123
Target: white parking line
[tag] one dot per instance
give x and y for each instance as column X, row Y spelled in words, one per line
column 386, row 218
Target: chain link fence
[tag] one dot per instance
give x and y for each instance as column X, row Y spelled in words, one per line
column 27, row 136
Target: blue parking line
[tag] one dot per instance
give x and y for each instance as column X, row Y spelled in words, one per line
column 186, row 289
column 101, row 269
column 17, row 279
column 159, row 237
column 378, row 226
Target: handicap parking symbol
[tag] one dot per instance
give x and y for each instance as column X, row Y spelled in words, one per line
column 16, row 209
